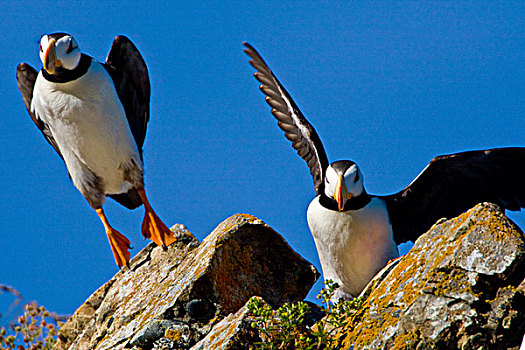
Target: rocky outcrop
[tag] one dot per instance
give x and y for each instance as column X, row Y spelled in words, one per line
column 232, row 332
column 172, row 299
column 462, row 286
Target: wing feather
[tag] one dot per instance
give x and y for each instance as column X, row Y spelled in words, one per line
column 452, row 184
column 269, row 92
column 278, row 105
column 282, row 117
column 130, row 75
column 26, row 78
column 297, row 129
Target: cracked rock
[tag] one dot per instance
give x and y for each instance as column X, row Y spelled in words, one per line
column 457, row 288
column 172, row 299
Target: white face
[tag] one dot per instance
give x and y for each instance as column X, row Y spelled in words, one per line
column 352, row 182
column 66, row 51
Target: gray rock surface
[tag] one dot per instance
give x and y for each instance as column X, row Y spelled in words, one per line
column 460, row 287
column 172, row 299
column 232, row 332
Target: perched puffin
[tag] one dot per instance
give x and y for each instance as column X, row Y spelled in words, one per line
column 95, row 116
column 356, row 233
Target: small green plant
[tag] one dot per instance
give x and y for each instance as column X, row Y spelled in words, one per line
column 283, row 328
column 337, row 315
column 286, row 328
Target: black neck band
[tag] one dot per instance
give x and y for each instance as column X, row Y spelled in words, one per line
column 62, row 75
column 353, row 203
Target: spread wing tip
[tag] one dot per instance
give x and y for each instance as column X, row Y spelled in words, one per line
column 25, row 79
column 296, row 128
column 252, row 52
column 22, row 69
column 249, row 47
column 22, row 66
column 119, row 39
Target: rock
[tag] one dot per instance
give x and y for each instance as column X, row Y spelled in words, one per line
column 233, row 332
column 460, row 287
column 172, row 299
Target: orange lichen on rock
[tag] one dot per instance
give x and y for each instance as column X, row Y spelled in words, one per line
column 432, row 295
column 177, row 296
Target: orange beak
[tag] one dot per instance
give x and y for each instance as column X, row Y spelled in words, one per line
column 341, row 194
column 50, row 58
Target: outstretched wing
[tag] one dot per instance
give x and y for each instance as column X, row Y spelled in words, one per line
column 452, row 184
column 26, row 77
column 128, row 70
column 296, row 128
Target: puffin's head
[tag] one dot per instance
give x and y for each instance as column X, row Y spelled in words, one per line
column 343, row 180
column 59, row 51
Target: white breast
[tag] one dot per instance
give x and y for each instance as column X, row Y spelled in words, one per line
column 354, row 245
column 89, row 125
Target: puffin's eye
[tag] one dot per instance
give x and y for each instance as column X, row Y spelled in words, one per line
column 326, row 179
column 70, row 47
column 40, row 46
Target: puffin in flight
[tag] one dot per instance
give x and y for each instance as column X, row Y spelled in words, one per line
column 95, row 116
column 356, row 234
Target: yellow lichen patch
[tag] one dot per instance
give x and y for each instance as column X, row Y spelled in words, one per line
column 225, row 331
column 444, row 262
column 231, row 223
column 406, row 341
column 173, row 334
column 454, row 284
column 511, row 288
column 417, row 271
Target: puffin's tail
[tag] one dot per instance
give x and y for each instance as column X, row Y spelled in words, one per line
column 130, row 199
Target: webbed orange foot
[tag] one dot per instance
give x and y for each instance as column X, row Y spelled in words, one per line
column 120, row 245
column 153, row 227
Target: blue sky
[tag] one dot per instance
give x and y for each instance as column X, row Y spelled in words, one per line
column 388, row 85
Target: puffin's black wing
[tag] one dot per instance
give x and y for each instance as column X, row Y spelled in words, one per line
column 296, row 128
column 128, row 70
column 452, row 184
column 26, row 77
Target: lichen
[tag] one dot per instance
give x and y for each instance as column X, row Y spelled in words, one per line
column 173, row 334
column 430, row 268
column 406, row 341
